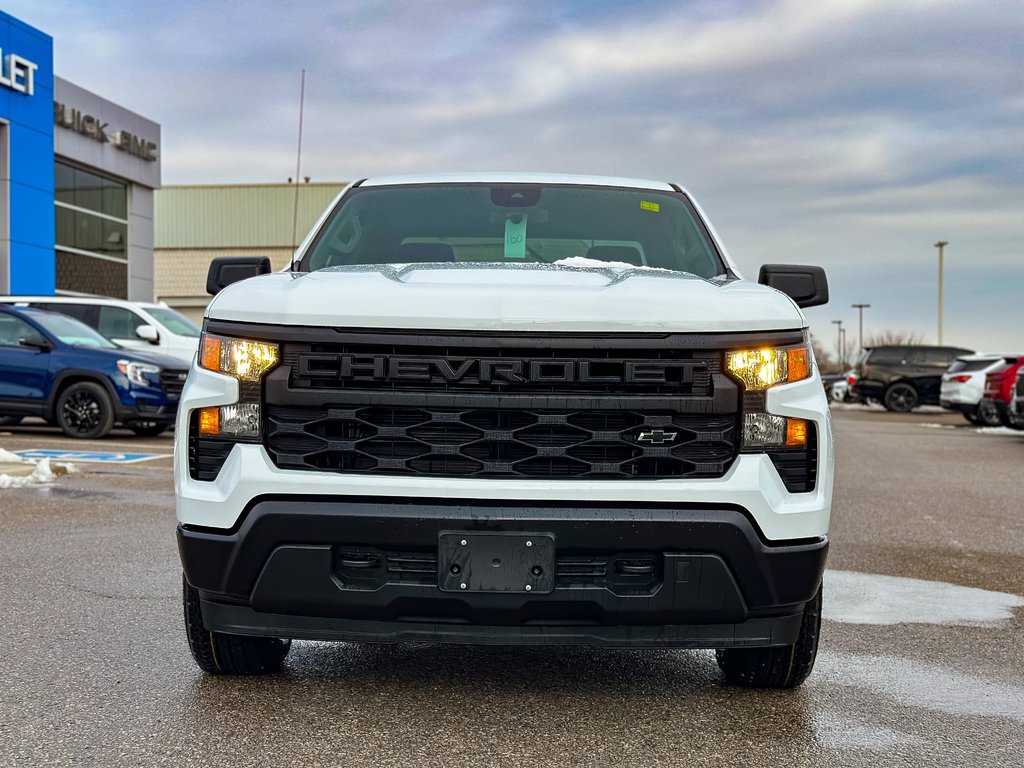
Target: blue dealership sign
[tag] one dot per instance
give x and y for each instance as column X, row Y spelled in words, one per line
column 26, row 138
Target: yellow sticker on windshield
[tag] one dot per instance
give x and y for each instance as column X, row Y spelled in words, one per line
column 656, row 207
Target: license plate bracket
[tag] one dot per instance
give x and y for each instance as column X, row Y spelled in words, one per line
column 496, row 561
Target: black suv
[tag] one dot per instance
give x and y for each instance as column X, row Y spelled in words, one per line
column 904, row 377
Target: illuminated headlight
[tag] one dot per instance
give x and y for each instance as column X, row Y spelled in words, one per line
column 136, row 372
column 759, row 369
column 243, row 359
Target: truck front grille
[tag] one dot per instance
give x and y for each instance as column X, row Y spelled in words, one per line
column 501, row 405
column 534, row 443
column 172, row 381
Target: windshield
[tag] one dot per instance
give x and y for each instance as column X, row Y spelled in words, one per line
column 515, row 223
column 71, row 331
column 175, row 322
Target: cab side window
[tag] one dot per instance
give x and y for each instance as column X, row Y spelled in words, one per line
column 13, row 330
column 118, row 323
column 933, row 358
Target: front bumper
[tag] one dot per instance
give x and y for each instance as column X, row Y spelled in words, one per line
column 147, row 410
column 286, row 571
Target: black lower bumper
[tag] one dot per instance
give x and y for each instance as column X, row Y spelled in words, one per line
column 370, row 569
column 163, row 413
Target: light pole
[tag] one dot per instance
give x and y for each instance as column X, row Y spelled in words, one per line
column 860, row 309
column 839, row 341
column 941, row 245
column 842, row 348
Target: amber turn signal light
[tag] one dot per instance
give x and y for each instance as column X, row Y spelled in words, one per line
column 209, row 421
column 796, row 433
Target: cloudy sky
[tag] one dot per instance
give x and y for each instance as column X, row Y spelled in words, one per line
column 848, row 133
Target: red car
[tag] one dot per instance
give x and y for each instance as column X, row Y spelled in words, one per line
column 999, row 389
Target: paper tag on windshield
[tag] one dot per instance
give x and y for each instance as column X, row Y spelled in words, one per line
column 649, row 206
column 515, row 237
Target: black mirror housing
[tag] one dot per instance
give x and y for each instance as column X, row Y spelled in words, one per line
column 807, row 286
column 36, row 342
column 225, row 270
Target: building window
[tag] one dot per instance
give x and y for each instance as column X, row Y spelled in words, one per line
column 92, row 232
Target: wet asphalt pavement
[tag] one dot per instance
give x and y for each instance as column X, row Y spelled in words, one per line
column 95, row 669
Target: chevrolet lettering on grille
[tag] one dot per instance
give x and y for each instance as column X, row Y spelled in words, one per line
column 495, row 370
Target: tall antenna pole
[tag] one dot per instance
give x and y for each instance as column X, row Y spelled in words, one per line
column 298, row 165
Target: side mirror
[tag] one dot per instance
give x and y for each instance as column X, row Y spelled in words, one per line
column 37, row 342
column 807, row 286
column 148, row 333
column 225, row 270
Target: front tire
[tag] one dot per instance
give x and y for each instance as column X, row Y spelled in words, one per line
column 900, row 397
column 84, row 410
column 784, row 666
column 218, row 653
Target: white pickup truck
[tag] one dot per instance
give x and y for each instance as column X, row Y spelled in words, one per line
column 507, row 409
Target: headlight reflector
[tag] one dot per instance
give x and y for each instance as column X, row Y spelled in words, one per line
column 243, row 359
column 759, row 369
column 241, row 420
column 766, row 430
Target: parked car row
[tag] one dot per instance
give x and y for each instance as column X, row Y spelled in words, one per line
column 86, row 365
column 902, row 377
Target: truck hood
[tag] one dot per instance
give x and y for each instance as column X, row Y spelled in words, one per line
column 504, row 297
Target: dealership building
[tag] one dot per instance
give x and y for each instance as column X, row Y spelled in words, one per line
column 77, row 179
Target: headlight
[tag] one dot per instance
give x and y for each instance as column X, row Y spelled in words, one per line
column 136, row 372
column 244, row 359
column 759, row 369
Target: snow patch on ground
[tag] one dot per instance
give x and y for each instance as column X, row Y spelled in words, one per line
column 583, row 261
column 43, row 471
column 867, row 598
column 937, row 426
column 1000, row 431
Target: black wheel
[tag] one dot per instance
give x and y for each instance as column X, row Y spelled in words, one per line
column 84, row 410
column 988, row 414
column 972, row 417
column 217, row 653
column 900, row 397
column 784, row 666
column 10, row 421
column 148, row 429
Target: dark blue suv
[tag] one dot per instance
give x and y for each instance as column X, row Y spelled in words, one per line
column 58, row 368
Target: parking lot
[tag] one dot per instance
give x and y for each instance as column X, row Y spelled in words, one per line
column 922, row 661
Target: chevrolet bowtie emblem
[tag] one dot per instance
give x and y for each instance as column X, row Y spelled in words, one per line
column 656, row 437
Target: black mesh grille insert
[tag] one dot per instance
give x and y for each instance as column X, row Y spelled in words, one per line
column 172, row 381
column 500, row 405
column 500, row 443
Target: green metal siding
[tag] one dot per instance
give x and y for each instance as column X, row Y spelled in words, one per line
column 237, row 216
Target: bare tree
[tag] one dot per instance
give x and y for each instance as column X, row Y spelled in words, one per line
column 893, row 338
column 825, row 359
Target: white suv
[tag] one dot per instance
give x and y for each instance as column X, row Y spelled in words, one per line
column 963, row 385
column 507, row 409
column 132, row 324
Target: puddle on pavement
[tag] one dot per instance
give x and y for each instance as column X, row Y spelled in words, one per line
column 866, row 598
column 917, row 684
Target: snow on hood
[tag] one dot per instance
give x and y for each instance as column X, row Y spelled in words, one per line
column 508, row 297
